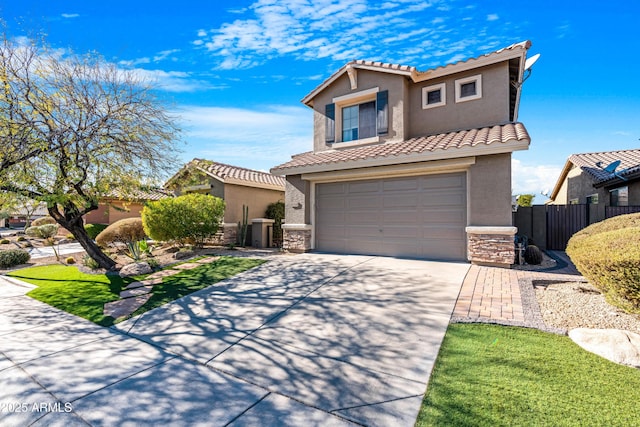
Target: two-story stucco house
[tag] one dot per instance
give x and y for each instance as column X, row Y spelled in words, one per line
column 410, row 163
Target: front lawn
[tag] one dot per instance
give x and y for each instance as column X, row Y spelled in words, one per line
column 488, row 375
column 85, row 295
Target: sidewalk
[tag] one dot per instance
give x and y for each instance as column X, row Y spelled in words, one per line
column 503, row 296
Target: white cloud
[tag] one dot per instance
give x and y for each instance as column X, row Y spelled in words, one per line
column 533, row 178
column 492, row 17
column 175, row 81
column 70, row 15
column 341, row 30
column 165, row 54
column 257, row 139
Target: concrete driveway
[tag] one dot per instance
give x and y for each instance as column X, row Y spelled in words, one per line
column 312, row 339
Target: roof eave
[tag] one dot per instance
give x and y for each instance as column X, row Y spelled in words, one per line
column 489, row 149
column 561, row 178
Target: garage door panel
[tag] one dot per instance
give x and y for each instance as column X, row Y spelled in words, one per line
column 421, row 216
column 331, row 189
column 401, row 184
column 363, row 202
column 438, row 182
column 399, row 200
column 363, row 187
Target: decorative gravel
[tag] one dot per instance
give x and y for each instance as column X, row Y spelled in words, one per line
column 569, row 305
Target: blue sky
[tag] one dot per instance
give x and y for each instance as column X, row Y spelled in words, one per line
column 236, row 71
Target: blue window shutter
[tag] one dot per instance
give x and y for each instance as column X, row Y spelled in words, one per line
column 330, row 123
column 382, row 112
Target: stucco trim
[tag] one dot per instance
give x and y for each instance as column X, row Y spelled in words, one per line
column 484, row 150
column 509, row 231
column 297, row 227
column 393, row 171
column 253, row 184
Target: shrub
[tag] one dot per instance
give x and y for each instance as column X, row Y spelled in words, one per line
column 89, row 262
column 21, row 239
column 70, row 236
column 192, row 217
column 70, row 260
column 94, row 229
column 608, row 255
column 124, row 231
column 4, row 241
column 45, row 231
column 275, row 211
column 42, row 221
column 13, row 257
column 533, row 255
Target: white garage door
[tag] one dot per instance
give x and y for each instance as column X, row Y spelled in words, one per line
column 421, row 217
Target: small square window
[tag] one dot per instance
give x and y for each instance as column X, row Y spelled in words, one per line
column 434, row 96
column 469, row 88
column 620, row 196
column 592, row 199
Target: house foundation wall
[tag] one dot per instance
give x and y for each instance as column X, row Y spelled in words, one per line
column 491, row 246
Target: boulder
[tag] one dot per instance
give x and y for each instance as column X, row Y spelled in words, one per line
column 135, row 269
column 184, row 254
column 619, row 346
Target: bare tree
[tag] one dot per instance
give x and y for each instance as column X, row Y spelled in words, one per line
column 74, row 127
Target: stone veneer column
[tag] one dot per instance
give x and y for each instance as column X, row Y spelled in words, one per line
column 230, row 233
column 491, row 245
column 296, row 237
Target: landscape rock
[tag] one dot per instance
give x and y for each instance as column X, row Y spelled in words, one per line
column 184, row 254
column 619, row 346
column 135, row 269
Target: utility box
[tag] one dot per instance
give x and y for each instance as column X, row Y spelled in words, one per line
column 262, row 232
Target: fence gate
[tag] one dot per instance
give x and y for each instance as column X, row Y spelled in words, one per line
column 562, row 222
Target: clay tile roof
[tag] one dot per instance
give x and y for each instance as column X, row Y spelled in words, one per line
column 391, row 151
column 140, row 194
column 629, row 163
column 238, row 175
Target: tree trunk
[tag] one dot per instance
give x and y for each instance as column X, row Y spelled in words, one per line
column 76, row 227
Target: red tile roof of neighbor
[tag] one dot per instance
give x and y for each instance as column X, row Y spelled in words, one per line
column 629, row 163
column 505, row 135
column 140, row 194
column 235, row 174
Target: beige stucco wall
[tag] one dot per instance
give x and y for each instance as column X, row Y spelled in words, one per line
column 257, row 199
column 489, row 189
column 297, row 200
column 491, row 109
column 395, row 84
column 108, row 213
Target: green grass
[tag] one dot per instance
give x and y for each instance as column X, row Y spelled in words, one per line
column 488, row 375
column 85, row 295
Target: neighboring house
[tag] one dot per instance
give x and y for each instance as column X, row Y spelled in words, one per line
column 410, row 163
column 237, row 186
column 117, row 205
column 19, row 217
column 586, row 180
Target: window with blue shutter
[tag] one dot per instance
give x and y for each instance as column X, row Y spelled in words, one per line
column 330, row 123
column 382, row 112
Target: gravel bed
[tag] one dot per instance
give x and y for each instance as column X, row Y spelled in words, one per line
column 570, row 305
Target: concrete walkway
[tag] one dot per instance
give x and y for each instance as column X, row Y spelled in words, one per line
column 303, row 340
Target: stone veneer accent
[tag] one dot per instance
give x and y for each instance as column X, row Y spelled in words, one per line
column 491, row 245
column 229, row 234
column 296, row 238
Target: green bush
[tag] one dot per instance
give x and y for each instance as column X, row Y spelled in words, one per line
column 94, row 229
column 89, row 262
column 123, row 231
column 45, row 231
column 4, row 241
column 13, row 257
column 21, row 239
column 275, row 211
column 189, row 218
column 42, row 221
column 70, row 260
column 608, row 255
